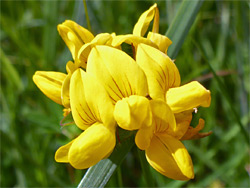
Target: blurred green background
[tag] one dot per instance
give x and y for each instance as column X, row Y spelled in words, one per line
column 30, row 122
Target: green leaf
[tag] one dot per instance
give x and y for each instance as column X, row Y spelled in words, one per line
column 181, row 24
column 10, row 72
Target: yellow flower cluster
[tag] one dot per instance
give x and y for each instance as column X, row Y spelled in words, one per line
column 105, row 87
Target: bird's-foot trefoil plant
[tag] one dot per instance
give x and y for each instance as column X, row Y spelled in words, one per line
column 105, row 89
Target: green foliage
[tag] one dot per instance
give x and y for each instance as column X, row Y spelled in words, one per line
column 30, row 123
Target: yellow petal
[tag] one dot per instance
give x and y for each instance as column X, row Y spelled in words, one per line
column 74, row 36
column 71, row 67
column 187, row 97
column 160, row 70
column 132, row 39
column 89, row 101
column 193, row 133
column 132, row 113
column 161, row 41
column 61, row 154
column 50, row 83
column 183, row 120
column 143, row 137
column 100, row 39
column 94, row 144
column 83, row 54
column 169, row 156
column 65, row 91
column 142, row 24
column 117, row 72
column 164, row 119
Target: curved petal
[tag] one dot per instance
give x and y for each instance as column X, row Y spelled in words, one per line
column 163, row 117
column 50, row 83
column 160, row 70
column 169, row 156
column 142, row 24
column 74, row 36
column 89, row 101
column 161, row 41
column 117, row 72
column 100, row 39
column 65, row 91
column 94, row 144
column 61, row 154
column 143, row 137
column 183, row 120
column 193, row 133
column 132, row 113
column 71, row 67
column 187, row 97
column 132, row 39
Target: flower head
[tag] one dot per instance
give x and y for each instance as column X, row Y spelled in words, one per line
column 104, row 88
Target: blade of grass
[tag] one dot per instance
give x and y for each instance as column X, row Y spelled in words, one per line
column 223, row 91
column 86, row 14
column 181, row 24
column 10, row 72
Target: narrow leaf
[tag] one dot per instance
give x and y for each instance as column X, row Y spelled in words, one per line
column 181, row 24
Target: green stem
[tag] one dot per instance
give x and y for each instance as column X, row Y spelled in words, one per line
column 145, row 169
column 86, row 14
column 119, row 176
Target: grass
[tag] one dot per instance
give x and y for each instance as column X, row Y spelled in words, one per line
column 30, row 130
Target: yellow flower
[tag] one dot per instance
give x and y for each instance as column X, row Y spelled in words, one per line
column 164, row 152
column 164, row 83
column 50, row 83
column 92, row 111
column 74, row 36
column 55, row 85
column 153, row 39
column 125, row 83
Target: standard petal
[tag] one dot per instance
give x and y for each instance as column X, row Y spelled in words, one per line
column 161, row 41
column 50, row 83
column 61, row 154
column 89, row 101
column 187, row 97
column 74, row 36
column 169, row 156
column 94, row 144
column 117, row 72
column 132, row 113
column 142, row 24
column 163, row 117
column 193, row 133
column 160, row 70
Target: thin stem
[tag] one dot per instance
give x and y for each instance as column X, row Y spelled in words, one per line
column 145, row 169
column 119, row 176
column 86, row 14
